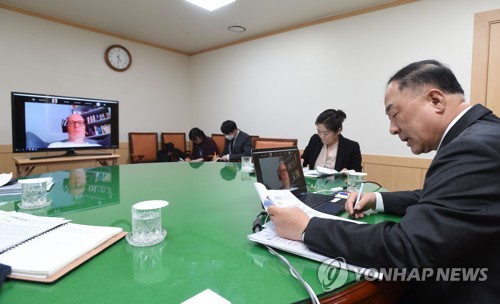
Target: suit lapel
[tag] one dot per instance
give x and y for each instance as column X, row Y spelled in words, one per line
column 340, row 153
column 476, row 112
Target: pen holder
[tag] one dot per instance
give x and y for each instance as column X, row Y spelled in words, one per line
column 146, row 223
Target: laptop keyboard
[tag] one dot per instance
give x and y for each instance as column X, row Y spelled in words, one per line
column 314, row 200
column 323, row 203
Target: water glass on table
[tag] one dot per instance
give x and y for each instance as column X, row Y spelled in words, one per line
column 246, row 163
column 354, row 181
column 146, row 223
column 33, row 193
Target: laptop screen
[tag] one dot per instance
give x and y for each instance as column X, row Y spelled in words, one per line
column 279, row 168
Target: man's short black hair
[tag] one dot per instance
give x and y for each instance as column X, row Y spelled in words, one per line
column 425, row 72
column 228, row 126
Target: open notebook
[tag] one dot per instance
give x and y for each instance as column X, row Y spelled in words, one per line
column 43, row 249
column 281, row 168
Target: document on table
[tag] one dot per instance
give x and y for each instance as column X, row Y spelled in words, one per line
column 323, row 172
column 43, row 249
column 45, row 255
column 269, row 237
column 17, row 227
column 286, row 199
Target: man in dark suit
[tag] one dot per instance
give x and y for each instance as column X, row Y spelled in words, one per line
column 237, row 143
column 453, row 223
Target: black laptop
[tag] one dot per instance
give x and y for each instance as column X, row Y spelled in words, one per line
column 281, row 168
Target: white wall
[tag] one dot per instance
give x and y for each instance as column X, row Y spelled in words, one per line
column 276, row 86
column 39, row 56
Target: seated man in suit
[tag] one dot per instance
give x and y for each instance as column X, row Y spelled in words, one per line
column 237, row 143
column 76, row 134
column 452, row 224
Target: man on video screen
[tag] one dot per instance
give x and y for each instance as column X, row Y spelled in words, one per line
column 76, row 134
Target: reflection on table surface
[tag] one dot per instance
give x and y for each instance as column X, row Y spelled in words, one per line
column 210, row 213
column 79, row 189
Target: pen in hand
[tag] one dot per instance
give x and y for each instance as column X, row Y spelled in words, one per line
column 357, row 199
column 268, row 202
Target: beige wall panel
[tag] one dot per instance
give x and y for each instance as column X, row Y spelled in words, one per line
column 394, row 178
column 124, row 154
column 6, row 163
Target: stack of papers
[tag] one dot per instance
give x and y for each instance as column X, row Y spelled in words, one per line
column 323, row 172
column 15, row 189
column 17, row 227
column 269, row 236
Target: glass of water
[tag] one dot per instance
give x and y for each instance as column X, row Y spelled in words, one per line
column 354, row 181
column 146, row 223
column 33, row 193
column 246, row 164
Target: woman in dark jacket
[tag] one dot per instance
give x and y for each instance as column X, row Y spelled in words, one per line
column 204, row 148
column 328, row 148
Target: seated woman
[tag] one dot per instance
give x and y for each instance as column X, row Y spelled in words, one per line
column 329, row 148
column 204, row 148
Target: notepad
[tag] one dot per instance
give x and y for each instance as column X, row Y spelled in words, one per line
column 47, row 256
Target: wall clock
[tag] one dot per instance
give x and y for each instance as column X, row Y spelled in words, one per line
column 118, row 58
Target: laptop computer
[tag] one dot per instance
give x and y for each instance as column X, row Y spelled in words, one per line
column 281, row 168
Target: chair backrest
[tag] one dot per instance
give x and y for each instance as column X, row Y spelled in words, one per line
column 178, row 139
column 264, row 143
column 143, row 146
column 253, row 138
column 219, row 140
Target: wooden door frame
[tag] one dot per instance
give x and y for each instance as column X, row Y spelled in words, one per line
column 480, row 54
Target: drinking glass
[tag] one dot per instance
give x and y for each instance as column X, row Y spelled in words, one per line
column 146, row 223
column 33, row 194
column 354, row 181
column 246, row 163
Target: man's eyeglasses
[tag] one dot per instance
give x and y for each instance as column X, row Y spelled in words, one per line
column 282, row 171
column 76, row 123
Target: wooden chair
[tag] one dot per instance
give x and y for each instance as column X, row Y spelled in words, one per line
column 253, row 138
column 143, row 146
column 178, row 139
column 219, row 140
column 264, row 143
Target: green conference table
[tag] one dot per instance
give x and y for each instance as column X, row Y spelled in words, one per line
column 212, row 207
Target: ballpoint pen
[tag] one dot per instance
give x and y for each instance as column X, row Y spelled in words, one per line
column 357, row 199
column 268, row 202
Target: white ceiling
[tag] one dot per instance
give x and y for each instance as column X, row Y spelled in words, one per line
column 181, row 26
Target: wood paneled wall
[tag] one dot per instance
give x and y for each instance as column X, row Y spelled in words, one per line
column 396, row 173
column 392, row 172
